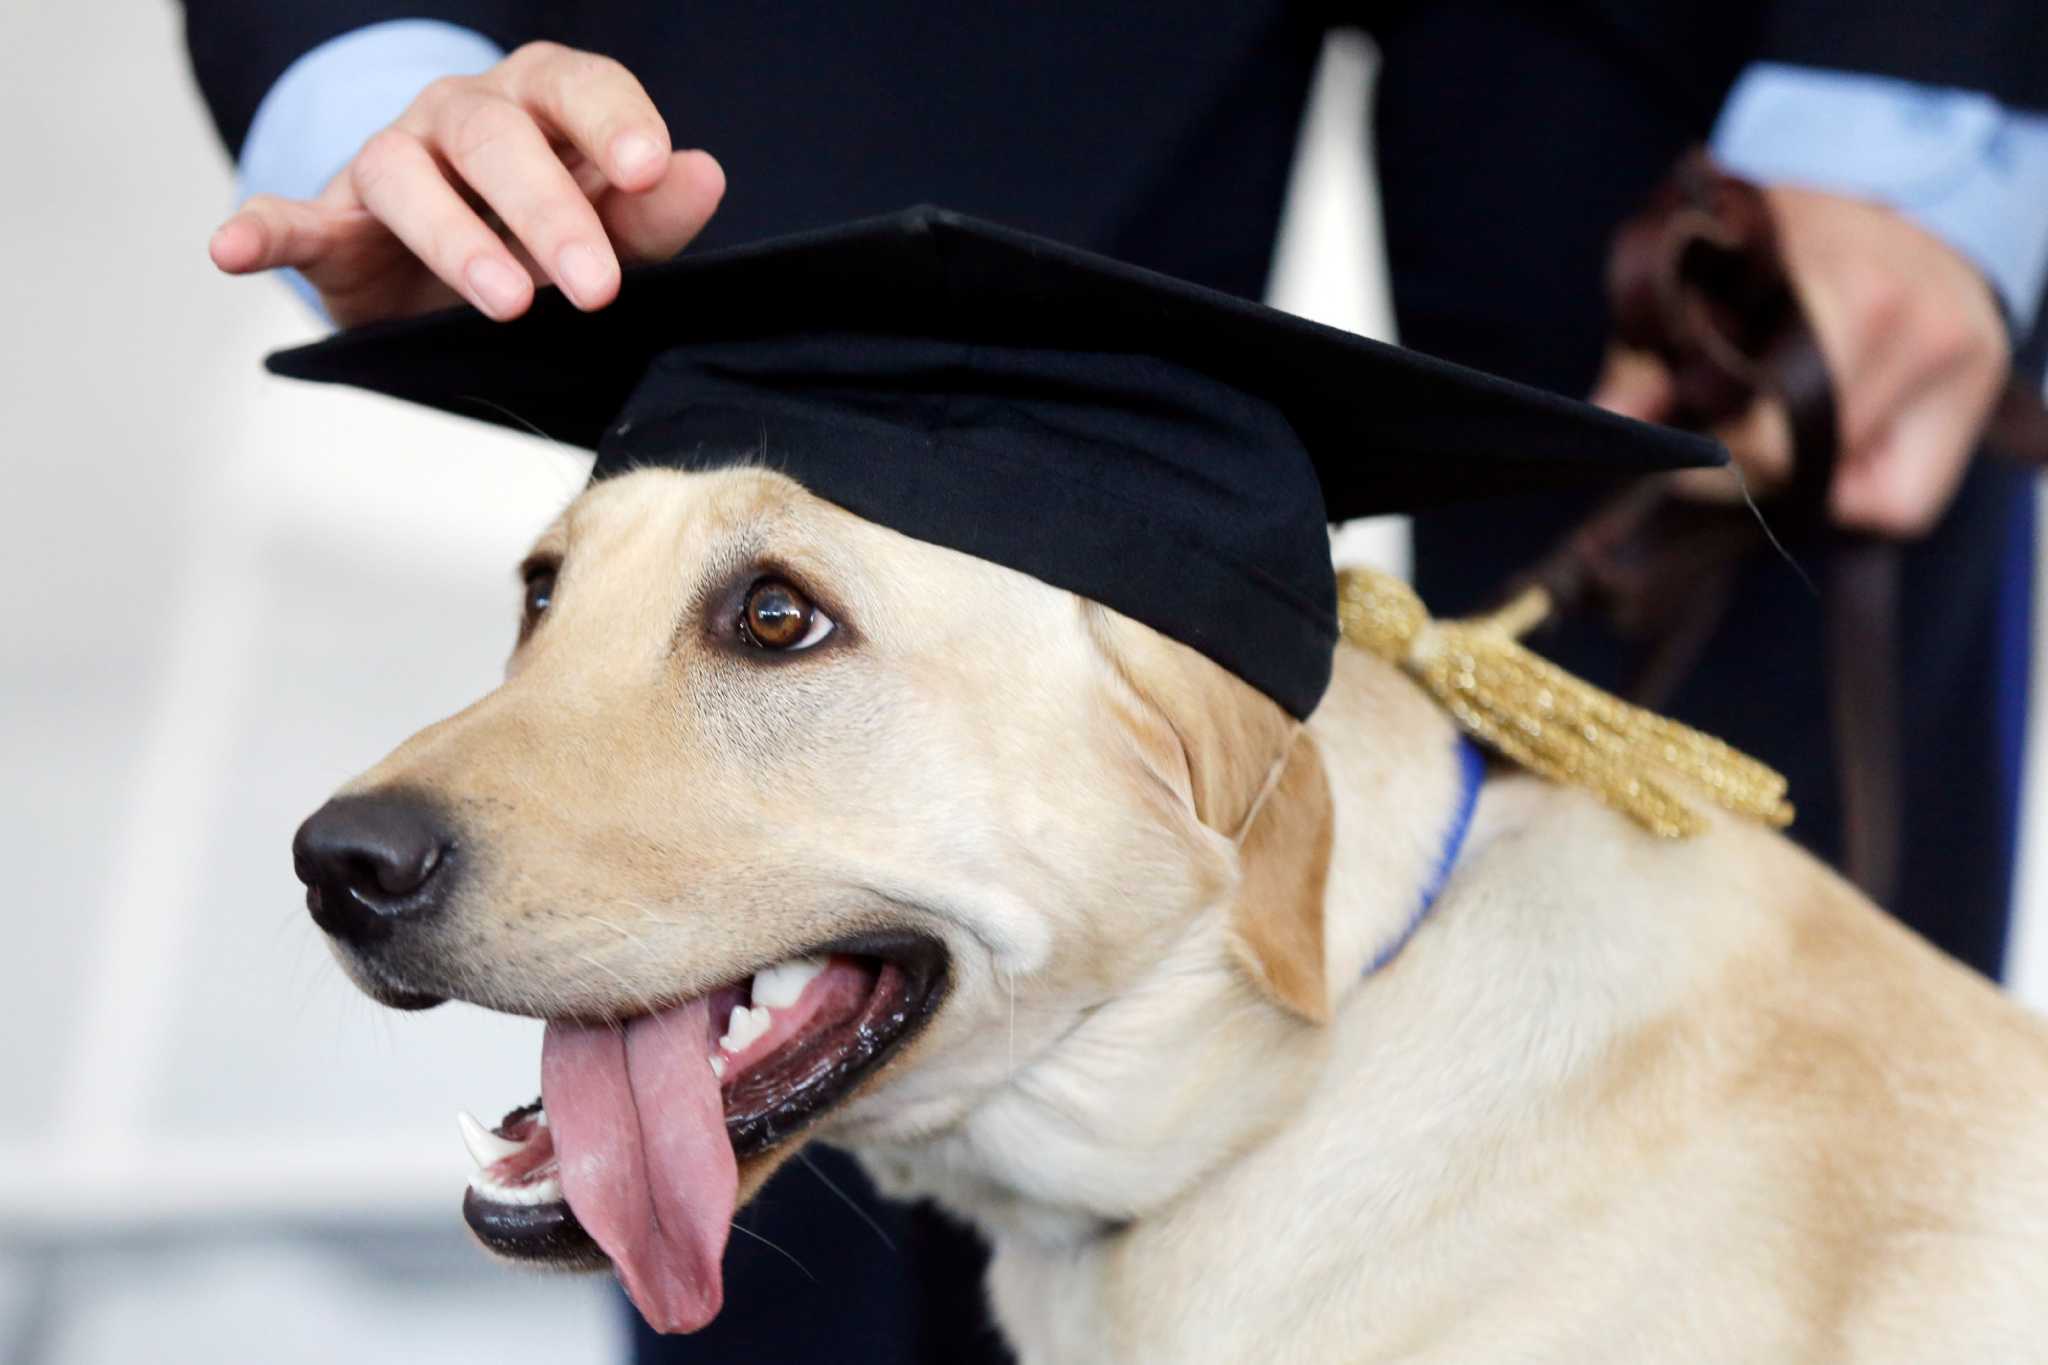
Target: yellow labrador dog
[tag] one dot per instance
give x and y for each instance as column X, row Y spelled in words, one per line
column 795, row 827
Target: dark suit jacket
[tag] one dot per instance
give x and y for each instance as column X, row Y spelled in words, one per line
column 1159, row 131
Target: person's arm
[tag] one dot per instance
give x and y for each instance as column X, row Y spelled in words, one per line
column 332, row 100
column 239, row 48
column 398, row 168
column 1965, row 168
column 1908, row 215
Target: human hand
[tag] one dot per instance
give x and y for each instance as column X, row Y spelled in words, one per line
column 563, row 150
column 1915, row 348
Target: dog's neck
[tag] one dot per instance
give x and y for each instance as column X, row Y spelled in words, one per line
column 1093, row 1133
column 1471, row 775
column 1398, row 772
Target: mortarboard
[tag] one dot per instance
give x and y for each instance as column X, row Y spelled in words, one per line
column 1169, row 451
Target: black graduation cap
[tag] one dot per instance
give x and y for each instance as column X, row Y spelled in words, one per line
column 1166, row 450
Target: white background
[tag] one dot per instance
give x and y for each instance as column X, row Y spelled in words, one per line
column 220, row 595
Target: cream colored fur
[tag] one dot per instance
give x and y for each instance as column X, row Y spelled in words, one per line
column 1618, row 1100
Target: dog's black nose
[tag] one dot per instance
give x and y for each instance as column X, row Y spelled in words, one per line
column 373, row 863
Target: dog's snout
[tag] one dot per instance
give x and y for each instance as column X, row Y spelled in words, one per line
column 372, row 863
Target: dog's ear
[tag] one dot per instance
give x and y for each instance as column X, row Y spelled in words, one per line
column 1207, row 734
column 1276, row 922
column 1250, row 776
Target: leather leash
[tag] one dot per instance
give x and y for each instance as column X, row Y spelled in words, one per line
column 1697, row 280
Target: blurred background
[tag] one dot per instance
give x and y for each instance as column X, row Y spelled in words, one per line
column 224, row 595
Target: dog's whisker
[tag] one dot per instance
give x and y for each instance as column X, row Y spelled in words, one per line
column 633, row 993
column 737, row 1227
column 1010, row 976
column 644, row 1001
column 572, row 482
column 651, row 915
column 848, row 1200
column 621, row 930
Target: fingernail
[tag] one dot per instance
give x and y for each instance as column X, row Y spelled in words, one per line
column 583, row 273
column 634, row 154
column 495, row 287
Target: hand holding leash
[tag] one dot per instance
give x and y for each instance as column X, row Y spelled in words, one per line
column 1810, row 332
column 1852, row 364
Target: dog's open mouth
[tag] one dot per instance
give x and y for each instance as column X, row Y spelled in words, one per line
column 632, row 1153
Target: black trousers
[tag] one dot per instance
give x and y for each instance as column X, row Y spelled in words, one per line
column 1510, row 141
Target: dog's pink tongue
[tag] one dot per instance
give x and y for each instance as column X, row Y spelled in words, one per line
column 646, row 1165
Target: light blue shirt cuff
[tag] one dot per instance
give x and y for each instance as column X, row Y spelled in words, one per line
column 330, row 101
column 1958, row 163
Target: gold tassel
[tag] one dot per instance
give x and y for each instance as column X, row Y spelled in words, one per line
column 1533, row 712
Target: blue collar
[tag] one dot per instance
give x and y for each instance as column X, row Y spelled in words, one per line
column 1471, row 773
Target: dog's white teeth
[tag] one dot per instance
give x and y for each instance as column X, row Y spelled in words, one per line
column 781, row 985
column 485, row 1146
column 746, row 1025
column 546, row 1190
column 773, row 988
column 718, row 1066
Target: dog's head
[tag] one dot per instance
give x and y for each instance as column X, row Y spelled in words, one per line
column 788, row 823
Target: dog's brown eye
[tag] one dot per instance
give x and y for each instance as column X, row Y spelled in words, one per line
column 777, row 616
column 540, row 591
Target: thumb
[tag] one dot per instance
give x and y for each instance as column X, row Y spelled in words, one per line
column 1634, row 384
